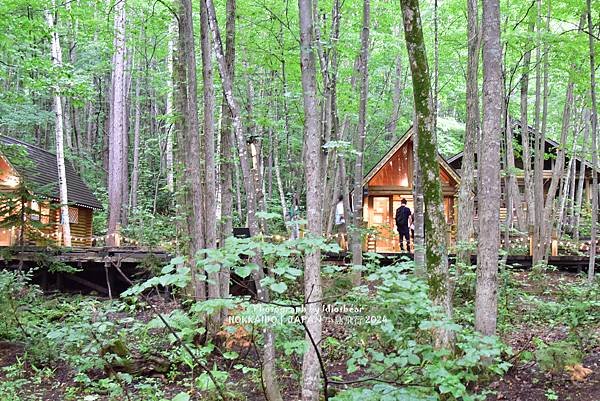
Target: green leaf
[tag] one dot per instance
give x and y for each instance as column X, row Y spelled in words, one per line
column 279, row 288
column 181, row 397
column 245, row 270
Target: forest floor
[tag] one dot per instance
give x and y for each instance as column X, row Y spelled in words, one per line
column 525, row 381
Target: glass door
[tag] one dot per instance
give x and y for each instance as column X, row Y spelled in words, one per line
column 382, row 219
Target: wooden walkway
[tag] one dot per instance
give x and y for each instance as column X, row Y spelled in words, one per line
column 105, row 270
column 124, row 254
column 109, row 271
column 570, row 263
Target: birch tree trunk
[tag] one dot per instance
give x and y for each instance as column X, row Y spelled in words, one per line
column 56, row 54
column 486, row 296
column 436, row 242
column 117, row 127
column 357, row 199
column 467, row 185
column 594, row 127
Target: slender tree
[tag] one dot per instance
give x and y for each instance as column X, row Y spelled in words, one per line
column 117, row 126
column 210, row 180
column 269, row 378
column 312, row 145
column 357, row 199
column 169, row 113
column 58, row 129
column 594, row 127
column 436, row 243
column 226, row 147
column 546, row 223
column 489, row 173
column 581, row 181
column 190, row 141
column 135, row 172
column 226, row 165
column 526, row 139
column 467, row 185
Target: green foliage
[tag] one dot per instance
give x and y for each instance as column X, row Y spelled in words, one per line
column 554, row 357
column 404, row 353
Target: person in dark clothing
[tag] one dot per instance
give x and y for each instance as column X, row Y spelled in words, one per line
column 403, row 215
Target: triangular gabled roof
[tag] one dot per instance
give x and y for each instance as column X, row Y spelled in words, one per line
column 44, row 174
column 392, row 151
column 516, row 130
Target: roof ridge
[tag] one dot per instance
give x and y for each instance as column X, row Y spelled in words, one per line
column 29, row 145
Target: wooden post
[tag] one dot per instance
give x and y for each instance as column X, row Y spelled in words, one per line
column 554, row 249
column 530, row 240
column 109, row 278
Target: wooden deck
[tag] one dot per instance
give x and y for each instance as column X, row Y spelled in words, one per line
column 109, row 271
column 124, row 254
column 105, row 270
column 570, row 263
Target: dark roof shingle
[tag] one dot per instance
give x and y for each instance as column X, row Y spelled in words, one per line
column 44, row 174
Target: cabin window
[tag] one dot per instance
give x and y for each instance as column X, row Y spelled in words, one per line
column 45, row 214
column 35, row 211
column 40, row 212
column 73, row 215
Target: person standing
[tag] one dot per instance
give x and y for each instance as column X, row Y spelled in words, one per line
column 403, row 215
column 340, row 223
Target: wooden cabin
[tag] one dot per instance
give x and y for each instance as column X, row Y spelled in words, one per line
column 390, row 180
column 550, row 148
column 38, row 172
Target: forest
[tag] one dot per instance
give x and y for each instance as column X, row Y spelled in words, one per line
column 333, row 200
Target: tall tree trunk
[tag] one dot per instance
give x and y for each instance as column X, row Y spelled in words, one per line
column 486, row 298
column 538, row 233
column 312, row 160
column 191, row 141
column 436, row 241
column 546, row 223
column 419, row 213
column 392, row 126
column 595, row 193
column 118, row 127
column 169, row 114
column 210, row 183
column 526, row 139
column 226, row 144
column 135, row 169
column 538, row 157
column 513, row 193
column 56, row 53
column 567, row 185
column 268, row 368
column 125, row 149
column 581, row 182
column 467, row 185
column 357, row 199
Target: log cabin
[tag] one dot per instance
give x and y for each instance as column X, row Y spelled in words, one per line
column 550, row 149
column 390, row 180
column 39, row 176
